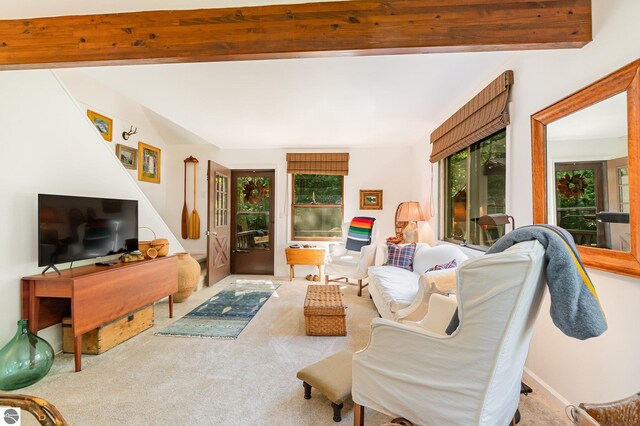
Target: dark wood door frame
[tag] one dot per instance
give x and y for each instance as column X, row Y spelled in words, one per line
column 253, row 261
column 336, row 28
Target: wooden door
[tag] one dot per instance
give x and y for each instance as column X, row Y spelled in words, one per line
column 252, row 222
column 218, row 223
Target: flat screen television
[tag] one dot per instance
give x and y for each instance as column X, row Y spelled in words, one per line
column 76, row 228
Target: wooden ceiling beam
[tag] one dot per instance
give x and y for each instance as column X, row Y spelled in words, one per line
column 295, row 30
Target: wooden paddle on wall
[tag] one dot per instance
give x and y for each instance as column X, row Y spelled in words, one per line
column 185, row 211
column 194, row 219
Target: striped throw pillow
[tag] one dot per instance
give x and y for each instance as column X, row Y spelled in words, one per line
column 359, row 233
column 401, row 256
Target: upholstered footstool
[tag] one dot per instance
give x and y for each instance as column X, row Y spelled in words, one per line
column 332, row 377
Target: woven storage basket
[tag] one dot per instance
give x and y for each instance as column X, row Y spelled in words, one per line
column 324, row 313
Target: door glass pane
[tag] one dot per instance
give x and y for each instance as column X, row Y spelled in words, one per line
column 221, row 196
column 253, row 213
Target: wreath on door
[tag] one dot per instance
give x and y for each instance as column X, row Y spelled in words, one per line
column 572, row 186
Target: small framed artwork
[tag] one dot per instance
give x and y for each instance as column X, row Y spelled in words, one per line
column 149, row 163
column 128, row 156
column 102, row 123
column 371, row 199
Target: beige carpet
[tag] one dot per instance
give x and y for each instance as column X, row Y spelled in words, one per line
column 160, row 380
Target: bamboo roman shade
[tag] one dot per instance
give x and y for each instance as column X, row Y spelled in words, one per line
column 482, row 116
column 318, row 163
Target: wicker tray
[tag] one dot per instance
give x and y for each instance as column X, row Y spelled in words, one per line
column 324, row 313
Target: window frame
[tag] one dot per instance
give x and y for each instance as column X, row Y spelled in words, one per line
column 294, row 205
column 442, row 190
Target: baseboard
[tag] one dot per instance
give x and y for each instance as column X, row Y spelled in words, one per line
column 555, row 400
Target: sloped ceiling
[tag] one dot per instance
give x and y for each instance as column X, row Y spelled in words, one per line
column 292, row 103
column 322, row 102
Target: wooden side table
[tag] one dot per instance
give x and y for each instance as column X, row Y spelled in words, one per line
column 304, row 256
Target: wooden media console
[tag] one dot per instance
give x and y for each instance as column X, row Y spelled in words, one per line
column 95, row 295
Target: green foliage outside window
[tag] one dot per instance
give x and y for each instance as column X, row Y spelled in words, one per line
column 317, row 206
column 475, row 182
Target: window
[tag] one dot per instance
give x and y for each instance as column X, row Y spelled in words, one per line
column 317, row 206
column 474, row 185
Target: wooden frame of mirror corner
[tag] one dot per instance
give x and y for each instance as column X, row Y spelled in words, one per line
column 626, row 79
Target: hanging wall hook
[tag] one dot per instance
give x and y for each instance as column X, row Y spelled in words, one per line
column 132, row 131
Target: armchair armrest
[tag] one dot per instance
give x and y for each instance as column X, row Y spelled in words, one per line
column 337, row 249
column 434, row 282
column 441, row 310
column 410, row 372
column 367, row 258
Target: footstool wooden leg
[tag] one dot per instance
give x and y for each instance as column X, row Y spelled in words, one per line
column 358, row 414
column 337, row 409
column 307, row 390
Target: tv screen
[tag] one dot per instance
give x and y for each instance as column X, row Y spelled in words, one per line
column 75, row 228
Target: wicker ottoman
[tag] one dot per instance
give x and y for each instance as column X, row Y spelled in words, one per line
column 324, row 313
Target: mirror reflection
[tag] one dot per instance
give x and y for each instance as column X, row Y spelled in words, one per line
column 588, row 182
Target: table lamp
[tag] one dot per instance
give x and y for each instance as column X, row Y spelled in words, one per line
column 410, row 212
column 497, row 219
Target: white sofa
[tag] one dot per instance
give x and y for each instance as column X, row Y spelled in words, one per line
column 403, row 295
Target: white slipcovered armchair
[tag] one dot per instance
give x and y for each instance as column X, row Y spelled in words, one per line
column 471, row 377
column 344, row 264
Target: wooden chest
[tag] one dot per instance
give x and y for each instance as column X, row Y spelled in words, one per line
column 105, row 337
column 324, row 313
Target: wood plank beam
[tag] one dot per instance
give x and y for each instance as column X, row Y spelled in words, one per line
column 295, row 30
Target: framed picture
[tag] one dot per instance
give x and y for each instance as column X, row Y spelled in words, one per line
column 371, row 199
column 102, row 123
column 128, row 156
column 149, row 163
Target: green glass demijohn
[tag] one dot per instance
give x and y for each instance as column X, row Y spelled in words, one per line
column 26, row 359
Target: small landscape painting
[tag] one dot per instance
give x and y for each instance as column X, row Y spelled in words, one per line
column 371, row 199
column 128, row 156
column 149, row 159
column 102, row 123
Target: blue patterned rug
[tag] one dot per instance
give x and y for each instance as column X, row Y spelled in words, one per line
column 226, row 314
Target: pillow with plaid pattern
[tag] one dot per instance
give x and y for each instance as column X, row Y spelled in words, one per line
column 400, row 256
column 448, row 265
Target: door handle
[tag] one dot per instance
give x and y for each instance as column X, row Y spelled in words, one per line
column 239, row 251
column 215, row 234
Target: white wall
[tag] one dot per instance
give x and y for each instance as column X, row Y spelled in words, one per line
column 389, row 169
column 48, row 146
column 603, row 368
column 92, row 94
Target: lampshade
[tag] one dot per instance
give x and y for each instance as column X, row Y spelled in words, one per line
column 410, row 211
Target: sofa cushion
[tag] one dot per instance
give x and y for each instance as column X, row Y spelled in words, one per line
column 400, row 256
column 398, row 287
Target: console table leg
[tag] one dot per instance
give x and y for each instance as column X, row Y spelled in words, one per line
column 290, row 272
column 77, row 352
column 171, row 306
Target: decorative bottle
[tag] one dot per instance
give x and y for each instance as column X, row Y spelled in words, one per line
column 26, row 359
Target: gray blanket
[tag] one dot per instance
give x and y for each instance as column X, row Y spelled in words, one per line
column 575, row 307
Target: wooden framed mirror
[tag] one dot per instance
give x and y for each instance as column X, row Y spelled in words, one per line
column 586, row 170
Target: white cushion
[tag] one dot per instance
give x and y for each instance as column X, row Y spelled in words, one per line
column 440, row 282
column 428, row 257
column 397, row 286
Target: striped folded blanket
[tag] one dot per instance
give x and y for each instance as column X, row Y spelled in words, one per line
column 359, row 233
